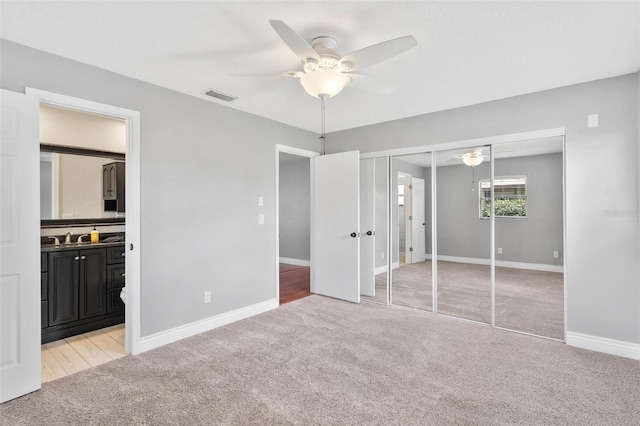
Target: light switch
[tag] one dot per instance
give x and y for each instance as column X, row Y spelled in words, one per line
column 260, row 219
column 261, row 201
column 499, row 250
column 592, row 120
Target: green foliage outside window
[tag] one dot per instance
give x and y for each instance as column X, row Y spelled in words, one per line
column 510, row 207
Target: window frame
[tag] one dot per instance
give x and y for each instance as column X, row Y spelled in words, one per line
column 502, row 178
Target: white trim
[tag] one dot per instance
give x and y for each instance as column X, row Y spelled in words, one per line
column 382, row 269
column 132, row 224
column 503, row 263
column 295, row 262
column 187, row 330
column 602, row 344
column 514, row 137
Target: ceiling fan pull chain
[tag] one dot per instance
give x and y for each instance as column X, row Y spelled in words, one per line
column 322, row 125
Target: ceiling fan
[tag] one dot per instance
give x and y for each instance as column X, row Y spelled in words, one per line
column 324, row 71
column 472, row 158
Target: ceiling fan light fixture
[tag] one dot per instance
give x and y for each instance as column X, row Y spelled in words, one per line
column 472, row 160
column 324, row 83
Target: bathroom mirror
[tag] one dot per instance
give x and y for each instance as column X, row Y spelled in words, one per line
column 71, row 187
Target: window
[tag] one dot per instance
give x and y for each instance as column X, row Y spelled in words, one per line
column 510, row 194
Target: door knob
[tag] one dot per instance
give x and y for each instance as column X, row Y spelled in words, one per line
column 369, row 233
column 353, row 235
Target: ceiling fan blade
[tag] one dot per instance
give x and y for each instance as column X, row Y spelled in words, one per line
column 296, row 74
column 379, row 52
column 296, row 43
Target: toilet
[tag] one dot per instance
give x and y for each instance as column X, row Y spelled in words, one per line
column 123, row 294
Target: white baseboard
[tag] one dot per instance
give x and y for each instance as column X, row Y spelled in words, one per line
column 382, row 269
column 504, row 263
column 602, row 344
column 169, row 336
column 296, row 262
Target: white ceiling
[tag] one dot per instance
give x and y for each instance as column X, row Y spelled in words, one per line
column 468, row 52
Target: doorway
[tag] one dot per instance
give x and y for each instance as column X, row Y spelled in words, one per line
column 130, row 334
column 294, row 190
column 82, row 204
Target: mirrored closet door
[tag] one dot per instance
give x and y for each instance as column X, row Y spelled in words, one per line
column 374, row 221
column 463, row 234
column 528, row 198
column 411, row 276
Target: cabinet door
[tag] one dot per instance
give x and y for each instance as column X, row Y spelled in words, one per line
column 113, row 182
column 63, row 287
column 93, row 282
column 105, row 182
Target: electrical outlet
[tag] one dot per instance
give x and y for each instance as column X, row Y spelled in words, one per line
column 556, row 255
column 260, row 201
column 499, row 250
column 207, row 297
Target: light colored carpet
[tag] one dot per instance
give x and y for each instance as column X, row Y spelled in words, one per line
column 319, row 361
column 529, row 301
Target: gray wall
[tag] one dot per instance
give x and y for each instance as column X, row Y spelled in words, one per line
column 203, row 167
column 603, row 278
column 295, row 203
column 532, row 240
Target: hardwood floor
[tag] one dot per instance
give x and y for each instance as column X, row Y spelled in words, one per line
column 294, row 282
column 67, row 356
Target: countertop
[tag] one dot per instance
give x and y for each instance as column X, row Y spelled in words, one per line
column 45, row 248
column 46, row 243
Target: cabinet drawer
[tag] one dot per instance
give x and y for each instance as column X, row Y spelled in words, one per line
column 44, row 314
column 115, row 254
column 44, row 277
column 114, row 303
column 115, row 276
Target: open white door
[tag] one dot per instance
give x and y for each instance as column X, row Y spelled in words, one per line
column 335, row 247
column 19, row 246
column 367, row 224
column 418, row 223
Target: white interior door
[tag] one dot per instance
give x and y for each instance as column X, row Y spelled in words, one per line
column 367, row 225
column 335, row 224
column 418, row 223
column 19, row 246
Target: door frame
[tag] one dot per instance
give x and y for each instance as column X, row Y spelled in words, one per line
column 302, row 153
column 132, row 221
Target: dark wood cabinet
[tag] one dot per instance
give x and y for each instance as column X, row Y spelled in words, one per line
column 80, row 291
column 113, row 186
column 64, row 277
column 93, row 283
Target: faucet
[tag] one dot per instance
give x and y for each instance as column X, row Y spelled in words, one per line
column 67, row 238
column 80, row 238
column 56, row 241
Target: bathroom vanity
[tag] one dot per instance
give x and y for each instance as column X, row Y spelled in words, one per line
column 80, row 287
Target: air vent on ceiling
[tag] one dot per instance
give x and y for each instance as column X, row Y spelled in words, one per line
column 220, row 95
